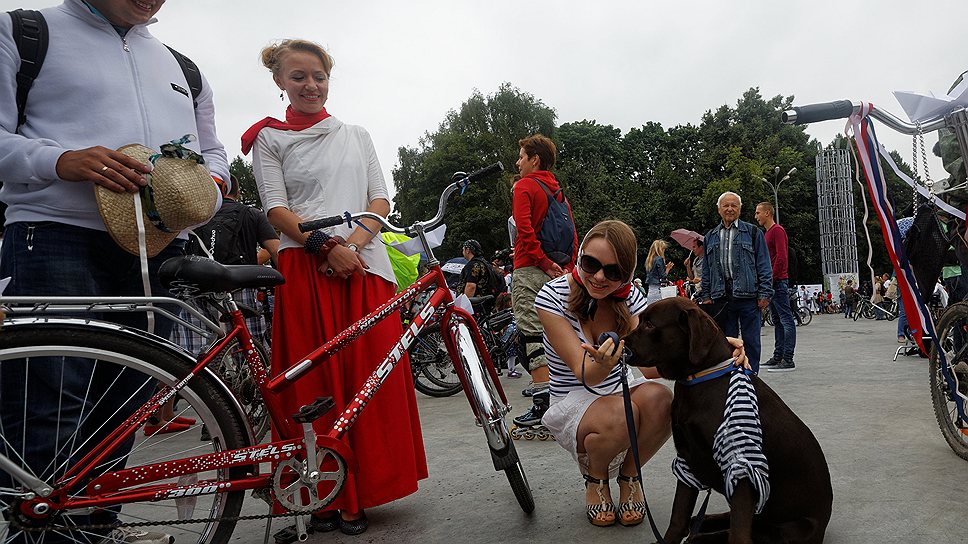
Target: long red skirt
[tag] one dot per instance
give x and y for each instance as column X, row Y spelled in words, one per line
column 310, row 309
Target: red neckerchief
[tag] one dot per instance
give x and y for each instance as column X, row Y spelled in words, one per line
column 294, row 121
column 622, row 293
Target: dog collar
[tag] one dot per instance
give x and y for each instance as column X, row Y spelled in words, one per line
column 717, row 371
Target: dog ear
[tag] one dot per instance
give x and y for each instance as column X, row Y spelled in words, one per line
column 703, row 335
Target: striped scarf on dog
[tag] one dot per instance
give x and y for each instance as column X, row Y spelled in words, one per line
column 737, row 444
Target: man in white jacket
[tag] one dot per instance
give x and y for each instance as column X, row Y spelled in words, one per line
column 105, row 82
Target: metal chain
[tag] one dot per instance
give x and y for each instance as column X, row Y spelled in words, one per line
column 924, row 156
column 151, row 523
column 249, row 517
column 915, row 140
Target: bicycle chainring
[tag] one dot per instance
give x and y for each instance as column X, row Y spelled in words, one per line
column 301, row 490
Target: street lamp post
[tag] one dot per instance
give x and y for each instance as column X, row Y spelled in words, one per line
column 776, row 187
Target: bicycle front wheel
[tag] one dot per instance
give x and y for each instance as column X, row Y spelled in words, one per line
column 485, row 401
column 952, row 334
column 64, row 388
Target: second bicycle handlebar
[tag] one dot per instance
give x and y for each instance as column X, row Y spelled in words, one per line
column 429, row 225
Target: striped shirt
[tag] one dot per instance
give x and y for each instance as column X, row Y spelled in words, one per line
column 553, row 298
column 737, row 444
column 726, row 236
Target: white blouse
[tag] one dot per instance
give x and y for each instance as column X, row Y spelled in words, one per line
column 327, row 169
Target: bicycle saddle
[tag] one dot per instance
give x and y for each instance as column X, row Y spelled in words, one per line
column 481, row 299
column 208, row 276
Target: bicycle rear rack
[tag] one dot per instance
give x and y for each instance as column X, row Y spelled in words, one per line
column 40, row 307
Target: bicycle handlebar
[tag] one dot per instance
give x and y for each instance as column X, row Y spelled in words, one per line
column 842, row 109
column 427, row 225
column 812, row 113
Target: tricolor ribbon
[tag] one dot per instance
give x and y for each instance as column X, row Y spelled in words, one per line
column 919, row 319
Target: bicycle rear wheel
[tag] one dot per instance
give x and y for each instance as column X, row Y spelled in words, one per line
column 485, row 402
column 805, row 316
column 113, row 367
column 952, row 333
column 233, row 368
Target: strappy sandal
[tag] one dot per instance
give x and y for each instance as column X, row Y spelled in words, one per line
column 631, row 505
column 594, row 510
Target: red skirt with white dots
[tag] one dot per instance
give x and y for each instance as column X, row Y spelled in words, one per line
column 311, row 308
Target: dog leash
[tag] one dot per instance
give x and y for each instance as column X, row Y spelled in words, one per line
column 633, row 438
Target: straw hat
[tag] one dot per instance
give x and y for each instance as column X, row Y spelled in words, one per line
column 184, row 195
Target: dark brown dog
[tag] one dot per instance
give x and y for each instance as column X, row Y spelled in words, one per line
column 680, row 339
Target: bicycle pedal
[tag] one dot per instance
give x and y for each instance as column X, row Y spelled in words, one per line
column 286, row 535
column 311, row 412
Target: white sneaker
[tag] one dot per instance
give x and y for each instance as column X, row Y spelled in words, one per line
column 130, row 535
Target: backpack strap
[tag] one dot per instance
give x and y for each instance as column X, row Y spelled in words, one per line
column 192, row 74
column 31, row 36
column 547, row 190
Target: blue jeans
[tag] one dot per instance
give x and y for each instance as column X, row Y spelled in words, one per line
column 742, row 314
column 785, row 329
column 902, row 321
column 59, row 396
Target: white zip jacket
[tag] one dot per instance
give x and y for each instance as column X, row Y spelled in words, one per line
column 95, row 88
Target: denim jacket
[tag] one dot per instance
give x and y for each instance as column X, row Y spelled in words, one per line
column 657, row 274
column 752, row 273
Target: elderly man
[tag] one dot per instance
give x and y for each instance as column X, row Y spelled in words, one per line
column 737, row 275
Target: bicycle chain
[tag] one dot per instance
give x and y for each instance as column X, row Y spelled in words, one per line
column 249, row 517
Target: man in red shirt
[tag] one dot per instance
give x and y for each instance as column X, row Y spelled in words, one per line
column 785, row 329
column 532, row 266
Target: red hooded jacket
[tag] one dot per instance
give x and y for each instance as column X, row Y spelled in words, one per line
column 529, row 207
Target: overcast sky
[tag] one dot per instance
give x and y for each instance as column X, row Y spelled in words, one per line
column 401, row 65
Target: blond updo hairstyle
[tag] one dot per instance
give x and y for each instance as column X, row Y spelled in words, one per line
column 273, row 55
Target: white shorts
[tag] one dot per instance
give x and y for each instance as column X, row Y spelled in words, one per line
column 565, row 414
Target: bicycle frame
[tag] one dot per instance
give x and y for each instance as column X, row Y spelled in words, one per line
column 114, row 488
column 140, row 484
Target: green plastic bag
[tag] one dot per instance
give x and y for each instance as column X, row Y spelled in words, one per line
column 404, row 267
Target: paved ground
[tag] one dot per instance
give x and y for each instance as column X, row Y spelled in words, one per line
column 894, row 478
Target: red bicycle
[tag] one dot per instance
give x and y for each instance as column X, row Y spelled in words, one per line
column 194, row 488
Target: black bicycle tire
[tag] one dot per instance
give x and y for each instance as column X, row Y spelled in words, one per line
column 939, row 392
column 433, row 386
column 225, row 421
column 806, row 316
column 251, row 397
column 435, row 390
column 520, row 487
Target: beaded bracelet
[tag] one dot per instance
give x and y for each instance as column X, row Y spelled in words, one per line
column 328, row 246
column 314, row 242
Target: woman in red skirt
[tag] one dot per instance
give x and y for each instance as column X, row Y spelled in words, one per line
column 309, row 166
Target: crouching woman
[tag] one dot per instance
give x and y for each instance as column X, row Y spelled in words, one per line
column 589, row 422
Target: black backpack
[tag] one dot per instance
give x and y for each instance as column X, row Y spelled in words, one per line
column 221, row 237
column 31, row 35
column 498, row 285
column 557, row 231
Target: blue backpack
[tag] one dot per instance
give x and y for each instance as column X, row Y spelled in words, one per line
column 557, row 230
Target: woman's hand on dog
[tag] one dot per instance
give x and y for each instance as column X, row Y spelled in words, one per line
column 739, row 353
column 606, row 354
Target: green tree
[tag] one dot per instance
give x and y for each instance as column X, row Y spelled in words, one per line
column 483, row 130
column 248, row 191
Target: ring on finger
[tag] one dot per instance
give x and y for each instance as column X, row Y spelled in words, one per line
column 104, row 169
